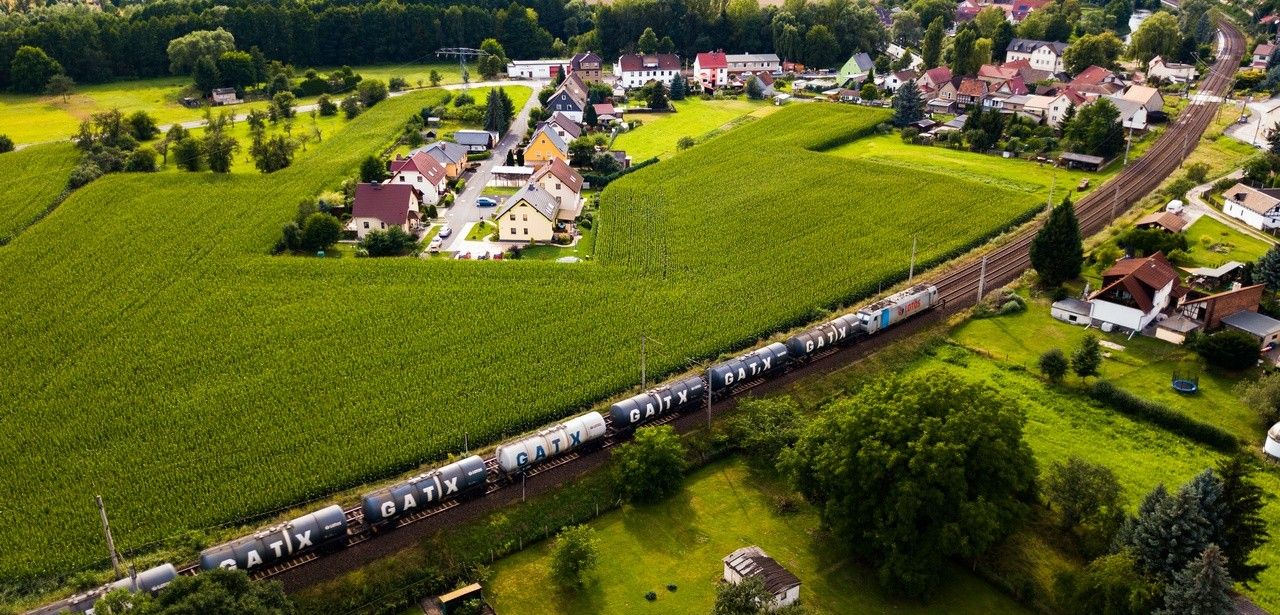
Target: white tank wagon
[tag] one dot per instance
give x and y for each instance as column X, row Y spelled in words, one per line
column 516, row 457
column 673, row 397
column 458, row 479
column 1272, row 446
column 833, row 333
column 897, row 307
column 771, row 358
column 323, row 528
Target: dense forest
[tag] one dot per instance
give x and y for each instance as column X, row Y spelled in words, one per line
column 130, row 40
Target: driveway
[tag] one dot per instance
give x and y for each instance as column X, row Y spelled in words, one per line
column 1197, row 207
column 1251, row 131
column 464, row 209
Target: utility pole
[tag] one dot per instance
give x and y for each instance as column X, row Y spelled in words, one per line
column 911, row 272
column 644, row 374
column 982, row 276
column 1128, row 141
column 462, row 53
column 1115, row 204
column 1053, row 183
column 106, row 529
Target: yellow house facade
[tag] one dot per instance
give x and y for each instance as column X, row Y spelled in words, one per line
column 544, row 147
column 528, row 215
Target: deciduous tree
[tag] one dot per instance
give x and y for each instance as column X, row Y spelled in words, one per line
column 1093, row 49
column 60, row 85
column 915, row 470
column 746, row 597
column 574, row 556
column 319, row 231
column 931, row 49
column 31, row 69
column 1157, row 36
column 1054, row 365
column 651, row 466
column 185, row 50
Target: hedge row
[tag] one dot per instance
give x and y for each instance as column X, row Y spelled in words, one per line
column 598, row 181
column 1146, row 410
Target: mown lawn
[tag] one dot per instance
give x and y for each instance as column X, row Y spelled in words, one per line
column 694, row 117
column 37, row 118
column 30, row 179
column 681, row 542
column 1145, row 366
column 1212, row 243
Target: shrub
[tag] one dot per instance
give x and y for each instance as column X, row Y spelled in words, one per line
column 83, row 174
column 1153, row 412
column 326, row 106
column 1228, row 349
column 685, row 142
column 561, row 239
column 395, row 84
column 141, row 160
column 1054, row 364
column 371, row 92
column 6, row 144
column 574, row 556
column 651, row 596
column 910, row 133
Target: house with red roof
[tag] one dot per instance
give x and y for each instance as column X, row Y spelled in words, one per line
column 933, row 79
column 1135, row 292
column 971, row 91
column 563, row 184
column 422, row 172
column 711, row 69
column 378, row 207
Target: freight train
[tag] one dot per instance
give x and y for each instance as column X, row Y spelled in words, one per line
column 331, row 527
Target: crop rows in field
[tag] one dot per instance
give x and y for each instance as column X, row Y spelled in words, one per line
column 155, row 353
column 30, row 180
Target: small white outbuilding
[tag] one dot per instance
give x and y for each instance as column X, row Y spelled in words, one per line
column 754, row 562
column 1272, row 446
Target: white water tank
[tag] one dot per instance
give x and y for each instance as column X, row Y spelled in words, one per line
column 1272, row 447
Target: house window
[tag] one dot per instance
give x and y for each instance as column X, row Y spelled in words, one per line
column 525, row 217
column 526, row 230
column 513, row 218
column 383, row 224
column 513, row 230
column 366, row 224
column 557, row 185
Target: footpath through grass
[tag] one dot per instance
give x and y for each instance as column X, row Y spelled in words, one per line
column 660, row 132
column 30, row 180
column 681, row 542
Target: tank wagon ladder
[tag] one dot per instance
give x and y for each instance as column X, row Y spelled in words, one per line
column 190, row 570
column 267, row 573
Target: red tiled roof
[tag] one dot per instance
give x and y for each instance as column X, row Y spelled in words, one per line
column 1141, row 278
column 423, row 164
column 604, row 109
column 973, row 87
column 939, row 75
column 712, row 59
column 658, row 61
column 389, row 203
column 997, row 72
column 1167, row 220
column 1094, row 75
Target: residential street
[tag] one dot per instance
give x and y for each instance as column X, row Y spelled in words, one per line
column 464, row 209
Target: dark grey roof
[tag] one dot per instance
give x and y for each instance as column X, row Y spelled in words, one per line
column 1253, row 322
column 551, row 134
column 1084, row 158
column 533, row 194
column 1075, row 306
column 1026, row 45
column 754, row 562
column 474, row 137
column 443, row 151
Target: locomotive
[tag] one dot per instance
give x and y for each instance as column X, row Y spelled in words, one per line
column 327, row 528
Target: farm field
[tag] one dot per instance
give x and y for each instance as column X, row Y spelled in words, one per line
column 694, row 117
column 1060, row 425
column 680, row 541
column 37, row 118
column 162, row 358
column 30, row 179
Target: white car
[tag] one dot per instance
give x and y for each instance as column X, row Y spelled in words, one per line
column 435, row 244
column 445, row 232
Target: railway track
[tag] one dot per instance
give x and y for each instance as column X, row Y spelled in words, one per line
column 957, row 288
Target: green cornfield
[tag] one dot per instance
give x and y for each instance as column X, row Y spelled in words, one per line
column 30, row 180
column 154, row 353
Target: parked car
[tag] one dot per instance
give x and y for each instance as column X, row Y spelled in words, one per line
column 485, row 201
column 436, row 242
column 445, row 232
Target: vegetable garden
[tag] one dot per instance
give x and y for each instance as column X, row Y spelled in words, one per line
column 155, row 353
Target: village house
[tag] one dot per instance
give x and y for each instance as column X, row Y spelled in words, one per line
column 1135, row 292
column 916, row 63
column 635, row 70
column 753, row 62
column 971, row 92
column 565, row 128
column 606, row 113
column 378, row 207
column 752, row 561
column 1257, row 208
column 1169, row 72
column 1262, row 55
column 739, row 80
column 1043, row 55
column 545, row 146
column 1166, row 221
column 224, row 96
column 528, row 215
column 449, row 154
column 1208, row 311
column 587, row 66
column 892, row 81
column 711, row 69
column 855, row 70
column 535, row 69
column 570, row 98
column 476, row 140
column 564, row 185
column 1149, row 97
column 1132, row 115
column 1214, row 278
column 422, row 172
column 1028, row 73
column 1096, row 80
column 1051, row 108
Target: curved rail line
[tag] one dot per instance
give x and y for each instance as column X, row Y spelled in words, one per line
column 957, row 288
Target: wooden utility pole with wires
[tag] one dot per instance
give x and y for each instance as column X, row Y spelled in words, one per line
column 106, row 530
column 462, row 53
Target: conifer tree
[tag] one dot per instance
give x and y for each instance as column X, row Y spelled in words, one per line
column 1168, row 533
column 678, row 88
column 908, row 106
column 1201, row 588
column 589, row 115
column 1244, row 530
column 1057, row 252
column 1267, row 271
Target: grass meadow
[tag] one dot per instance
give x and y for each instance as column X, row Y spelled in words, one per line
column 30, row 180
column 29, row 118
column 156, row 354
column 681, row 542
column 694, row 117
